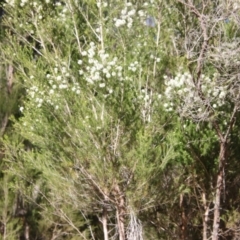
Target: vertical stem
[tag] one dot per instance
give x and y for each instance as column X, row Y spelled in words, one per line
column 3, row 124
column 9, row 74
column 104, row 223
column 205, row 218
column 120, row 211
column 26, row 231
column 101, row 25
column 157, row 41
column 183, row 227
column 219, row 187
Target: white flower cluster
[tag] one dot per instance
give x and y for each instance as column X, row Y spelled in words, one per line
column 226, row 56
column 61, row 79
column 134, row 66
column 99, row 66
column 10, row 2
column 126, row 16
column 49, row 91
column 62, row 13
column 23, row 2
column 185, row 97
column 128, row 13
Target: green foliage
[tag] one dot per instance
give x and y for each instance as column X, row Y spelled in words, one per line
column 91, row 134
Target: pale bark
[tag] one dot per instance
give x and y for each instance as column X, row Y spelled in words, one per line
column 206, row 217
column 26, row 231
column 219, row 189
column 104, row 223
column 9, row 74
column 4, row 124
column 183, row 227
column 9, row 84
column 120, row 211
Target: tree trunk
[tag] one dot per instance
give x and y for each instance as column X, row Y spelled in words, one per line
column 183, row 225
column 4, row 124
column 9, row 73
column 26, row 231
column 104, row 223
column 205, row 218
column 120, row 211
column 219, row 189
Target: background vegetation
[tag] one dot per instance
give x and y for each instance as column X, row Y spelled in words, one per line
column 119, row 119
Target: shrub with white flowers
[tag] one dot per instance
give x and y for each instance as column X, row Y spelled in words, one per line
column 52, row 87
column 189, row 99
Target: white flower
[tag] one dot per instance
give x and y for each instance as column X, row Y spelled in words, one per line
column 99, row 66
column 141, row 13
column 63, row 86
column 79, row 62
column 129, row 25
column 91, row 52
column 96, row 76
column 222, row 94
column 165, row 105
column 146, row 97
column 64, row 70
column 105, row 70
column 84, row 53
column 89, row 80
column 11, row 2
column 215, row 93
column 132, row 12
column 21, row 109
column 124, row 11
column 59, row 78
column 120, row 22
column 102, row 85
